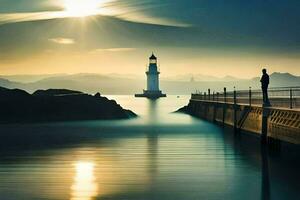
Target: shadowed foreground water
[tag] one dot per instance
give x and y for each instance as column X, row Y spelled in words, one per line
column 158, row 156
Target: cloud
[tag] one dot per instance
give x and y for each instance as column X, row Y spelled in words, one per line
column 144, row 19
column 125, row 16
column 113, row 50
column 65, row 41
column 7, row 18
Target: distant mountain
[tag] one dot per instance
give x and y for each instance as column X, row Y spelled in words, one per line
column 115, row 84
column 189, row 77
column 4, row 82
column 200, row 77
column 27, row 78
column 90, row 83
column 10, row 84
column 230, row 78
column 282, row 80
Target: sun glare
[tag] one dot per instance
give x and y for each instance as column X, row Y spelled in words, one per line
column 85, row 186
column 82, row 8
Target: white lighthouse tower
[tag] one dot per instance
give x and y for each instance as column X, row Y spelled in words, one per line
column 152, row 73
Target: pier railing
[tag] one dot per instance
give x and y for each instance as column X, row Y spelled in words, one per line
column 285, row 97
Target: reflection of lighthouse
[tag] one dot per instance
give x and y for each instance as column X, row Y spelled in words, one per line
column 152, row 81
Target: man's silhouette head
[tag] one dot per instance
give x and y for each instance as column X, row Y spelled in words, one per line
column 264, row 71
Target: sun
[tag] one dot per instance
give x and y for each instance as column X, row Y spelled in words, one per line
column 82, row 8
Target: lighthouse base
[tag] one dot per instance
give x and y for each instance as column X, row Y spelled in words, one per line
column 151, row 94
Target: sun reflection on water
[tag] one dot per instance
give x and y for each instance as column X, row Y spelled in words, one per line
column 85, row 186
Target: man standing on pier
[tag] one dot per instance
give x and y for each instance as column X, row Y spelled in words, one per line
column 265, row 80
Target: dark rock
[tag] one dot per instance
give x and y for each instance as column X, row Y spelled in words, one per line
column 55, row 92
column 57, row 105
column 98, row 95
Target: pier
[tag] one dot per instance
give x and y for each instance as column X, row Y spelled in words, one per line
column 244, row 111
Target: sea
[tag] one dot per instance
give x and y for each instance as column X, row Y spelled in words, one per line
column 160, row 155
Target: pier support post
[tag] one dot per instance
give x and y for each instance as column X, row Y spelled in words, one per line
column 264, row 127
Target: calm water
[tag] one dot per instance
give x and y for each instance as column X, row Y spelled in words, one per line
column 158, row 156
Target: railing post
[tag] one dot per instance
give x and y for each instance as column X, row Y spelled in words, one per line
column 217, row 96
column 204, row 96
column 291, row 98
column 234, row 111
column 234, row 96
column 225, row 95
column 208, row 94
column 250, row 97
column 224, row 107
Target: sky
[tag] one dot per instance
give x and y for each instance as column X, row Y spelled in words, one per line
column 210, row 37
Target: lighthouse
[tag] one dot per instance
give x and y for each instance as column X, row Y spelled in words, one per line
column 152, row 73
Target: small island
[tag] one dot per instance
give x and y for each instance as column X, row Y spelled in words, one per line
column 18, row 106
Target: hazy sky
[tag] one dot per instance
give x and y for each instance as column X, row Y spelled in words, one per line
column 215, row 37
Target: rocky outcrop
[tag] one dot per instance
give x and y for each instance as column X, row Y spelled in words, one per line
column 57, row 105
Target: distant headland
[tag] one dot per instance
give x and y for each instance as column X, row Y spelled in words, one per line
column 18, row 106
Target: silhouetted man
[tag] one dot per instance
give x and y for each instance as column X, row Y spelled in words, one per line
column 265, row 80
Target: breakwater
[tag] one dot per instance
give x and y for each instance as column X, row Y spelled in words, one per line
column 272, row 124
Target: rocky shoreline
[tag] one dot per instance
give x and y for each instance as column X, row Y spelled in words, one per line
column 18, row 106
